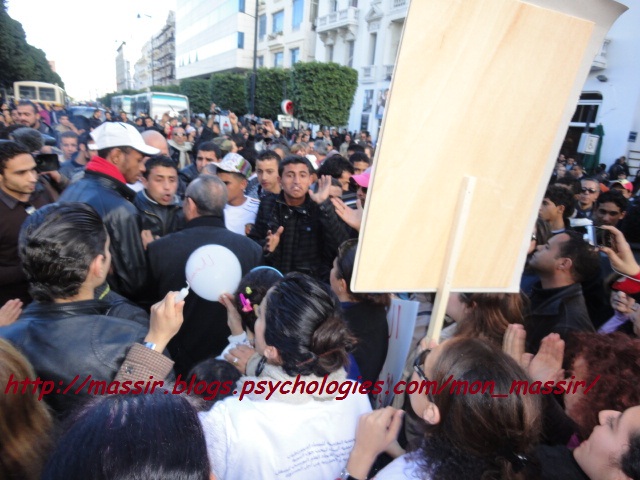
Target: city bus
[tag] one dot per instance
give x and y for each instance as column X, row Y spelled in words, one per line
column 121, row 103
column 39, row 92
column 156, row 104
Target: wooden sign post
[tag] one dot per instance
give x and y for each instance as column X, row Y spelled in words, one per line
column 482, row 89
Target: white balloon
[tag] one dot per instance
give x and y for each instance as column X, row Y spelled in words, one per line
column 213, row 270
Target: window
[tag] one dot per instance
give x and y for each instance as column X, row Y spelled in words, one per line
column 587, row 108
column 295, row 55
column 262, row 26
column 329, row 53
column 351, row 46
column 372, row 48
column 241, row 5
column 278, row 22
column 333, row 6
column 278, row 58
column 260, row 61
column 298, row 8
column 240, row 39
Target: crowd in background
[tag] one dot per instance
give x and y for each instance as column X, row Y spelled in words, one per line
column 98, row 225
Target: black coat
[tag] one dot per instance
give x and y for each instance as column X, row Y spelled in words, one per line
column 83, row 338
column 112, row 200
column 160, row 219
column 205, row 331
column 555, row 310
column 368, row 323
column 311, row 237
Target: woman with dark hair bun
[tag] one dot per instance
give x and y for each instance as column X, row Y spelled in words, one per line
column 154, row 436
column 297, row 418
column 364, row 313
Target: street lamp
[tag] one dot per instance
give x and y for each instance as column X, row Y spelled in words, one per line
column 255, row 62
column 152, row 49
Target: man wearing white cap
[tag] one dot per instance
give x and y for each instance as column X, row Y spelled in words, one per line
column 119, row 160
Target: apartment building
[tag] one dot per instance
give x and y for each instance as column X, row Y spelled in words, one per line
column 365, row 35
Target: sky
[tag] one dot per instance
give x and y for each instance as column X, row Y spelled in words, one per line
column 82, row 36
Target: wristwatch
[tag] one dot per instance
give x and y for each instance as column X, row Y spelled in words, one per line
column 345, row 475
column 149, row 345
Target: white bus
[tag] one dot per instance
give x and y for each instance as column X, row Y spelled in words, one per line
column 39, row 92
column 156, row 104
column 121, row 103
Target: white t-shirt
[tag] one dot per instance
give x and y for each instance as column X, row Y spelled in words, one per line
column 236, row 218
column 280, row 438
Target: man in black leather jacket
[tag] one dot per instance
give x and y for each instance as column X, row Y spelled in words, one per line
column 121, row 151
column 65, row 332
column 158, row 204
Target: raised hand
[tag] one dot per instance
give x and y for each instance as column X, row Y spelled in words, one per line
column 273, row 240
column 324, row 189
column 351, row 217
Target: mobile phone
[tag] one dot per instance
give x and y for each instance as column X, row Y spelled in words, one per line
column 47, row 162
column 604, row 238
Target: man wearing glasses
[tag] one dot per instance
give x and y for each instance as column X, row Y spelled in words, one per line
column 587, row 198
column 179, row 148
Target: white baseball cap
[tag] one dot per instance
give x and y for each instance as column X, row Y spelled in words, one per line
column 118, row 134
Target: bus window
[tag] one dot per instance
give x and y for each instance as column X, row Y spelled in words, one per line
column 47, row 94
column 27, row 93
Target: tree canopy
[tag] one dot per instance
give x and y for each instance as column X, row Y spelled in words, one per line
column 323, row 92
column 18, row 59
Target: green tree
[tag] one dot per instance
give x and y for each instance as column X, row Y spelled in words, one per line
column 272, row 85
column 228, row 92
column 18, row 59
column 323, row 92
column 199, row 93
column 165, row 88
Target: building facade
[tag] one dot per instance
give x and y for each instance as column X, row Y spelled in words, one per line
column 218, row 36
column 365, row 35
column 611, row 94
column 157, row 65
column 123, row 72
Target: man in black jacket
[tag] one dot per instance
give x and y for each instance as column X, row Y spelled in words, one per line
column 158, row 204
column 557, row 301
column 65, row 333
column 205, row 331
column 298, row 228
column 121, row 151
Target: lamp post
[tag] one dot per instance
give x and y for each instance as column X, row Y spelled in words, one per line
column 255, row 62
column 152, row 50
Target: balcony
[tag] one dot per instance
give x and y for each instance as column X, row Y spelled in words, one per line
column 398, row 10
column 388, row 72
column 274, row 40
column 344, row 22
column 368, row 74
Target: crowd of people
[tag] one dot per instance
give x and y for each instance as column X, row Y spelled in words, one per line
column 93, row 253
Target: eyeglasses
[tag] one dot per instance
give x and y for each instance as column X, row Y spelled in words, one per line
column 588, row 190
column 417, row 367
column 179, row 134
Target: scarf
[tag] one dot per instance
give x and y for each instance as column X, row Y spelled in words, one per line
column 184, row 150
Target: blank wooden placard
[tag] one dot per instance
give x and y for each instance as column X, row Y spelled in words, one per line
column 482, row 88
